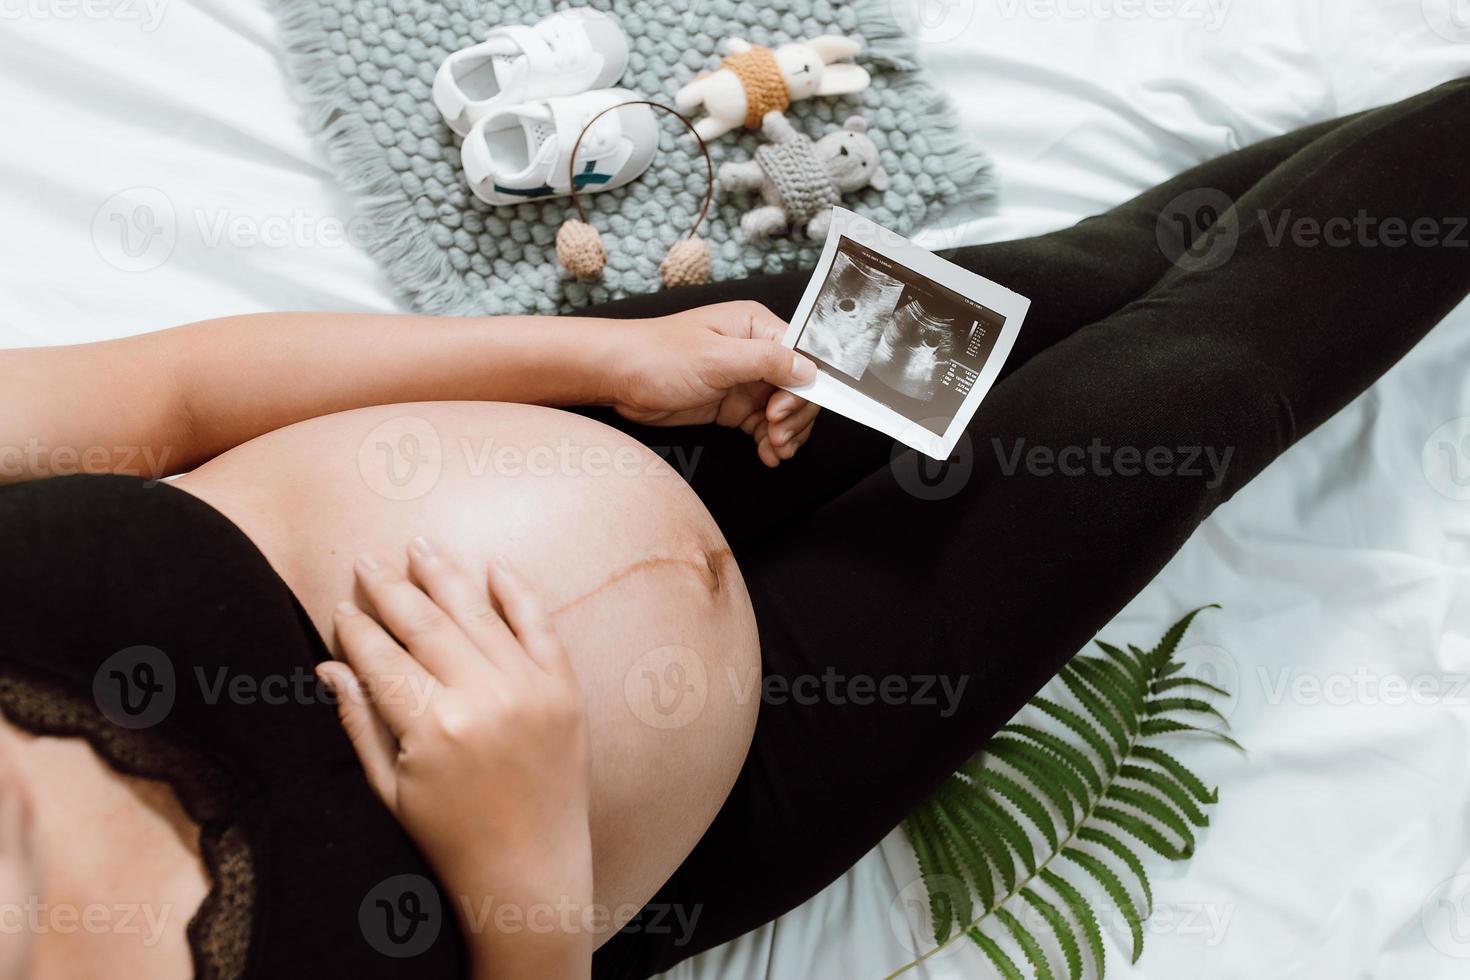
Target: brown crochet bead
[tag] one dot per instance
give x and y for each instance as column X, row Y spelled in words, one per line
column 579, row 249
column 687, row 263
column 765, row 86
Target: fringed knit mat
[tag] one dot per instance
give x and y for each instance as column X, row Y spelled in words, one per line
column 367, row 66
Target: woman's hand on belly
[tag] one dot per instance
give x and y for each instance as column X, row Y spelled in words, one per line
column 720, row 363
column 472, row 729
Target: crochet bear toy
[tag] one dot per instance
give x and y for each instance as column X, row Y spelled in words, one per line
column 800, row 178
column 754, row 80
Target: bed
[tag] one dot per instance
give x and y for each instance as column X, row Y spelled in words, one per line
column 156, row 170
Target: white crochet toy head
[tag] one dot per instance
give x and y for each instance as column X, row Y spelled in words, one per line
column 851, row 158
column 807, row 68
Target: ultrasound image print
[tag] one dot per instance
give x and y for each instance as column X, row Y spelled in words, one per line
column 911, row 344
column 915, row 351
column 851, row 315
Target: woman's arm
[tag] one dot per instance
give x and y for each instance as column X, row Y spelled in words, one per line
column 162, row 403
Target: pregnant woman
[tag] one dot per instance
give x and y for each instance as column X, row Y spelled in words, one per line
column 592, row 694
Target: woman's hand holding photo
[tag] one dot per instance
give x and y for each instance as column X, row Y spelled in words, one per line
column 464, row 710
column 721, row 364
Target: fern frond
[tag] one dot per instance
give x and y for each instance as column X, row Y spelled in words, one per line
column 1003, row 963
column 1113, row 885
column 1060, row 928
column 1098, row 710
column 1175, row 768
column 1047, row 772
column 1168, row 726
column 1174, row 683
column 1079, row 725
column 1082, row 912
column 1022, row 798
column 1034, row 953
column 1075, row 758
column 1096, row 793
column 1171, row 788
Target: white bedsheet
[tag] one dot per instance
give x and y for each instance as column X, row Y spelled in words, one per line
column 154, row 169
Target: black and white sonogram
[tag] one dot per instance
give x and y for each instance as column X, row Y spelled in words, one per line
column 903, row 340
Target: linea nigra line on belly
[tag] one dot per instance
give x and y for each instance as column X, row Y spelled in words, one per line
column 706, row 565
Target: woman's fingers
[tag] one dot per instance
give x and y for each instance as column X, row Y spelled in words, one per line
column 527, row 615
column 466, row 601
column 397, row 684
column 784, row 430
column 418, row 623
column 374, row 744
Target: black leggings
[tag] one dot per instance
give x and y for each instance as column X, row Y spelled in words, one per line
column 863, row 561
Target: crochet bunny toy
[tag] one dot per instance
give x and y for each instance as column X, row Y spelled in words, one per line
column 800, row 178
column 754, row 80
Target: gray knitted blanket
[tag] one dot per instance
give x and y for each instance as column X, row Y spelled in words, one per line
column 367, row 66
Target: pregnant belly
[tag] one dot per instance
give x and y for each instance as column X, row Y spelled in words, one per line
column 646, row 595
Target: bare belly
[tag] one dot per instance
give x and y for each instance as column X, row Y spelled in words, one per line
column 647, row 598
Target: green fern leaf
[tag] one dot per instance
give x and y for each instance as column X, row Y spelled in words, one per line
column 1175, row 768
column 1010, row 829
column 1133, row 664
column 1100, row 837
column 1171, row 788
column 1155, row 807
column 1075, row 758
column 1140, row 828
column 1174, row 683
column 1098, row 711
column 1034, row 953
column 1104, row 876
column 1084, row 915
column 1162, row 653
column 1061, row 928
column 1160, row 706
column 1096, row 781
column 1114, row 683
column 1023, row 799
column 1048, row 772
column 1168, row 726
column 967, row 814
column 997, row 956
column 970, row 854
column 1078, row 724
column 941, row 901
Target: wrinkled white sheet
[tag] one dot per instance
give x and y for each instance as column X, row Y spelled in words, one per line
column 154, row 169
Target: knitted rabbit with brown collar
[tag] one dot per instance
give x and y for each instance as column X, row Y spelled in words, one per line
column 753, row 80
column 800, row 178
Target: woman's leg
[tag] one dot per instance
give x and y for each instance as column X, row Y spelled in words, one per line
column 979, row 591
column 1075, row 276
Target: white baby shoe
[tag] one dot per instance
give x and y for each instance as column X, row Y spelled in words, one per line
column 566, row 53
column 523, row 152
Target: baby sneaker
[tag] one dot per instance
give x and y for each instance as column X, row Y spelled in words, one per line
column 523, row 152
column 565, row 53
